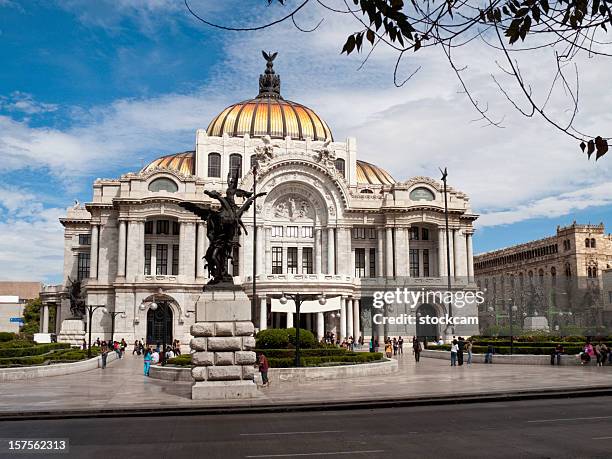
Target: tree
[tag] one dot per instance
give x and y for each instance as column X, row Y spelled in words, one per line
column 568, row 28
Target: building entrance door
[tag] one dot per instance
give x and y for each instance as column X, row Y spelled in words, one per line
column 159, row 324
column 425, row 330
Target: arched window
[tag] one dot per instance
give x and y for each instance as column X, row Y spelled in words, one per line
column 340, row 166
column 568, row 270
column 553, row 275
column 163, row 184
column 253, row 161
column 235, row 164
column 541, row 276
column 366, row 191
column 421, row 194
column 592, row 243
column 587, row 242
column 214, row 165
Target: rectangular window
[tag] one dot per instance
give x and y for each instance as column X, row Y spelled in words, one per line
column 83, row 266
column 425, row 234
column 307, row 260
column 426, row 262
column 372, row 262
column 149, row 227
column 359, row 233
column 161, row 253
column 371, row 233
column 277, row 260
column 414, row 263
column 414, row 233
column 292, row 259
column 176, row 228
column 360, row 265
column 306, row 231
column 84, row 239
column 147, row 256
column 292, row 231
column 235, row 262
column 163, row 227
column 277, row 231
column 175, row 259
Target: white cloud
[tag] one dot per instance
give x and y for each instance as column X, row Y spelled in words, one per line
column 24, row 103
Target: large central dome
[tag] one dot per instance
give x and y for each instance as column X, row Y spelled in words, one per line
column 270, row 114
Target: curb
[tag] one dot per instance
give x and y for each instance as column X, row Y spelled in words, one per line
column 303, row 407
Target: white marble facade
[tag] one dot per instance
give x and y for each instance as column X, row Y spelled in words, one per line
column 319, row 230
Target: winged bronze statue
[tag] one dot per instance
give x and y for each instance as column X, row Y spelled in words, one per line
column 223, row 226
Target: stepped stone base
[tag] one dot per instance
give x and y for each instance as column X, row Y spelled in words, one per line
column 536, row 323
column 223, row 343
column 72, row 332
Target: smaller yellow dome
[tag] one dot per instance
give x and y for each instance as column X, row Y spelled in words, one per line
column 369, row 174
column 183, row 163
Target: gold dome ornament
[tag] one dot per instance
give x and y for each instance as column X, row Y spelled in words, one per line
column 270, row 114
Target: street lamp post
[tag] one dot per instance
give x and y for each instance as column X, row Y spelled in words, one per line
column 298, row 298
column 113, row 314
column 254, row 297
column 448, row 269
column 512, row 309
column 90, row 310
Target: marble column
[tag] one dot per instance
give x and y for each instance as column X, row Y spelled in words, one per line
column 342, row 318
column 44, row 319
column 318, row 247
column 93, row 257
column 402, row 261
column 441, row 252
column 456, row 267
column 380, row 250
column 263, row 313
column 261, row 251
column 200, row 250
column 331, row 252
column 389, row 252
column 121, row 249
column 133, row 254
column 267, row 243
column 320, row 325
column 187, row 248
column 349, row 317
column 289, row 320
column 470, row 257
column 356, row 319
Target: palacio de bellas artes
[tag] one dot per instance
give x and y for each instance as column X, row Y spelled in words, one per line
column 329, row 224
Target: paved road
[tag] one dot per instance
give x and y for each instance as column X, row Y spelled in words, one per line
column 431, row 377
column 572, row 428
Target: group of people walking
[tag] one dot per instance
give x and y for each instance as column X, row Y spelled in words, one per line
column 599, row 352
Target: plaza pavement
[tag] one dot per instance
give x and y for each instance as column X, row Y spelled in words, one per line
column 123, row 387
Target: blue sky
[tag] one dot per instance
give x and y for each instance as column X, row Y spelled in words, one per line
column 94, row 89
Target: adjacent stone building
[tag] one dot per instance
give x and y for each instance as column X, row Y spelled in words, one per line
column 13, row 297
column 558, row 277
column 330, row 223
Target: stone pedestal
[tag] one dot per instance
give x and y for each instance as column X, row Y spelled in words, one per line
column 536, row 323
column 223, row 343
column 72, row 332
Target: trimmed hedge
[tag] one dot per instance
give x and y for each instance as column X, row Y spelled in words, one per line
column 17, row 343
column 290, row 353
column 277, row 338
column 348, row 358
column 183, row 360
column 7, row 336
column 32, row 350
column 518, row 349
column 53, row 356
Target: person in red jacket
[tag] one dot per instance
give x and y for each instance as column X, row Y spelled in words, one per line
column 264, row 365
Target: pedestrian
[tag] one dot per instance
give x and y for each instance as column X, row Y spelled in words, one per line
column 468, row 349
column 601, row 351
column 389, row 349
column 416, row 348
column 84, row 344
column 454, row 350
column 460, row 348
column 147, row 361
column 98, row 342
column 155, row 357
column 104, row 353
column 135, row 348
column 394, row 346
column 376, row 345
column 123, row 346
column 556, row 354
column 263, row 365
column 489, row 354
column 169, row 354
column 400, row 345
column 117, row 349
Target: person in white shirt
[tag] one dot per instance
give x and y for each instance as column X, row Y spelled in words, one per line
column 155, row 358
column 454, row 350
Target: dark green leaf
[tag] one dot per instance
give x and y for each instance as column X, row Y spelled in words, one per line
column 595, row 7
column 417, row 44
column 582, row 146
column 524, row 30
column 545, row 5
column 370, row 36
column 591, row 148
column 535, row 13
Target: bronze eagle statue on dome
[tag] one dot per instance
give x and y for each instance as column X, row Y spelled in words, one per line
column 223, row 226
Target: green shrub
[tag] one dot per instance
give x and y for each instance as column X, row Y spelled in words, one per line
column 7, row 336
column 307, row 338
column 272, row 338
column 17, row 343
column 32, row 350
column 290, row 353
column 348, row 358
column 183, row 360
